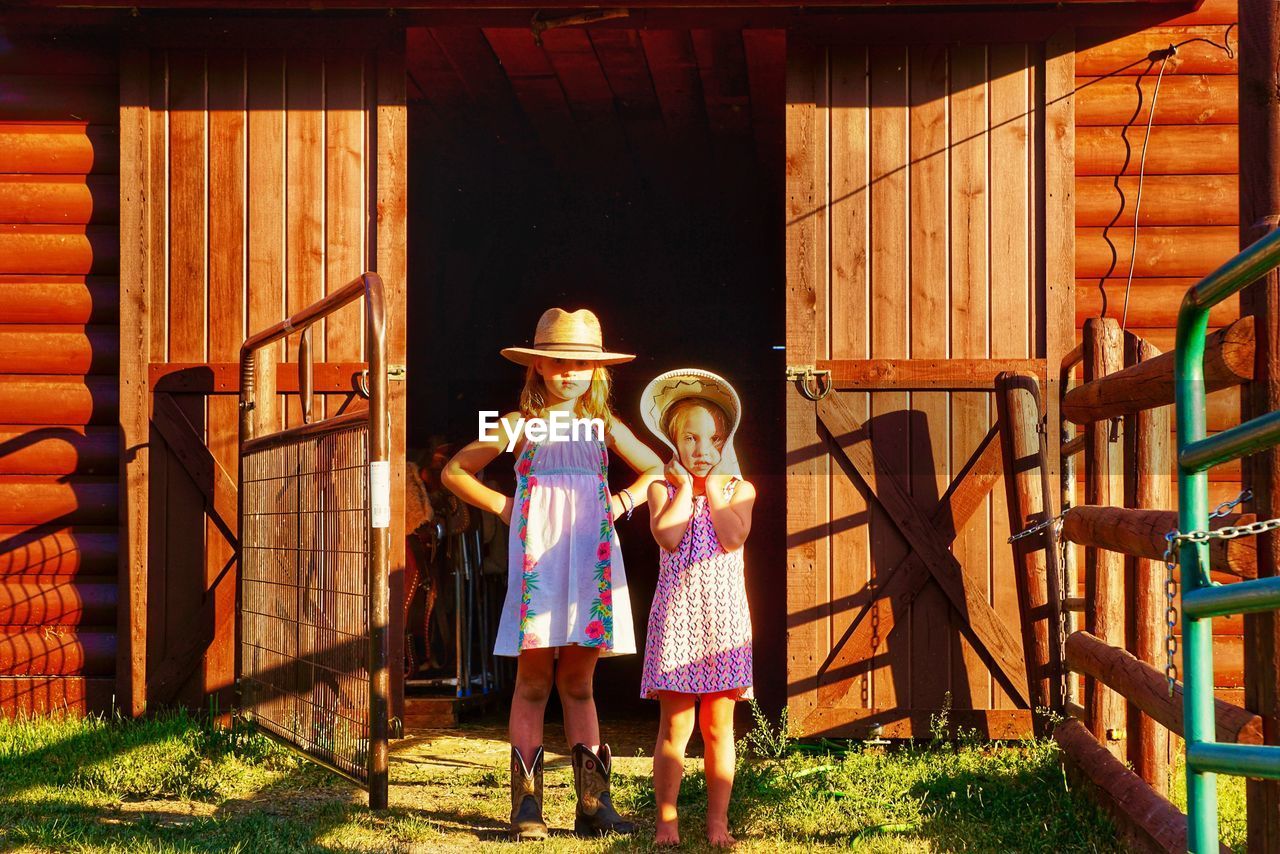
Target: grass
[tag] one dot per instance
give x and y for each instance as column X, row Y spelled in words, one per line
column 175, row 783
column 1232, row 825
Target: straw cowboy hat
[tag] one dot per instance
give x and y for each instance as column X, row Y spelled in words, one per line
column 566, row 335
column 666, row 390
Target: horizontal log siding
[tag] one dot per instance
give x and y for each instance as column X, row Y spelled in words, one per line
column 1189, row 217
column 59, row 353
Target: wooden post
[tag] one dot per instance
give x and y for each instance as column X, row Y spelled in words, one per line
column 1260, row 214
column 1026, row 482
column 1104, row 570
column 1148, row 466
column 135, row 394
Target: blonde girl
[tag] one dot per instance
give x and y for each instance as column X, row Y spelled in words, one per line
column 698, row 650
column 566, row 601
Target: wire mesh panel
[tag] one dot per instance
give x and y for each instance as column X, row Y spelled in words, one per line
column 305, row 598
column 312, row 596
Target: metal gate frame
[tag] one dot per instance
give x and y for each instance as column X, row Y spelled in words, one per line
column 257, row 399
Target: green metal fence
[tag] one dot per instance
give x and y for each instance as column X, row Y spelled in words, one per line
column 1202, row 598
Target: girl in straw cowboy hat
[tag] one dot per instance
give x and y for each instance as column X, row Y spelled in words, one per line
column 566, row 599
column 699, row 643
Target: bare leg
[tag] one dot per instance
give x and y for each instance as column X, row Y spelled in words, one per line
column 534, row 670
column 675, row 725
column 716, row 721
column 574, row 674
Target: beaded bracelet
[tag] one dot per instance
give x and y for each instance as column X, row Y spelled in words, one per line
column 629, row 504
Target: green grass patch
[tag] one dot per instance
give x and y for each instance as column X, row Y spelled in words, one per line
column 1232, row 815
column 176, row 783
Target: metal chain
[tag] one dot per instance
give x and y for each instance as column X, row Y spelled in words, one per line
column 1172, row 540
column 1038, row 527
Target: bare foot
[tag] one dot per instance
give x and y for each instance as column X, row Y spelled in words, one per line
column 668, row 834
column 719, row 836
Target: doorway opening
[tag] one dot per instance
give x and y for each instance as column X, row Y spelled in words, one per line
column 638, row 173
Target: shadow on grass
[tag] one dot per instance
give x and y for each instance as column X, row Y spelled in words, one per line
column 72, row 783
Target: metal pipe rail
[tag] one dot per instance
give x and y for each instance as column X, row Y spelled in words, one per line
column 368, row 766
column 1201, row 598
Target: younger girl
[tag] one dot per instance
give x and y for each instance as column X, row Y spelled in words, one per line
column 566, row 591
column 699, row 643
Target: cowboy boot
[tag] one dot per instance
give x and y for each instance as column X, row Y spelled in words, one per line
column 526, row 798
column 595, row 814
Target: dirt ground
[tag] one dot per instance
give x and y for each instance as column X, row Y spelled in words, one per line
column 427, row 765
column 482, row 745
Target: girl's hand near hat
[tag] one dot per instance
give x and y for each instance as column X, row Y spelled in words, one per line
column 719, row 475
column 678, row 475
column 731, row 516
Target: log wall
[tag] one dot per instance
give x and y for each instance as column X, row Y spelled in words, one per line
column 59, row 445
column 1188, row 218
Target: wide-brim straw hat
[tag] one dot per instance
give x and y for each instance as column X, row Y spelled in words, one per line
column 666, row 390
column 567, row 335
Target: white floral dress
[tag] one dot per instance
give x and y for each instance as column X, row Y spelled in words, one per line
column 565, row 579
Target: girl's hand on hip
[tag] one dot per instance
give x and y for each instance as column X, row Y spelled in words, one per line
column 678, row 475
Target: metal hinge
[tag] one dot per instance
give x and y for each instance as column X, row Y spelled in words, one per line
column 810, row 379
column 396, row 373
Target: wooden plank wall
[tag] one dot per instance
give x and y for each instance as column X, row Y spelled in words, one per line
column 59, row 457
column 1187, row 222
column 268, row 160
column 918, row 165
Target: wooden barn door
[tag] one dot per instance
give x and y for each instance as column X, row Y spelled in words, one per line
column 925, row 253
column 256, row 179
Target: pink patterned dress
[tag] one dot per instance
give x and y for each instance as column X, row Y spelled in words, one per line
column 699, row 639
column 565, row 579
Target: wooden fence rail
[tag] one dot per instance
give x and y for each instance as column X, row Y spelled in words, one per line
column 1228, row 361
column 1142, row 533
column 1148, row 689
column 1127, row 713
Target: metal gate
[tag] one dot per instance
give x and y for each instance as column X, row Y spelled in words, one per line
column 313, row 596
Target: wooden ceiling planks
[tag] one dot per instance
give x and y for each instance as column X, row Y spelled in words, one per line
column 432, row 77
column 722, row 66
column 621, row 102
column 766, row 56
column 463, row 86
column 677, row 84
column 537, row 89
column 571, row 53
column 626, row 67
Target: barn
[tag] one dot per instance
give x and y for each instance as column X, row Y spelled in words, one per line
column 910, row 197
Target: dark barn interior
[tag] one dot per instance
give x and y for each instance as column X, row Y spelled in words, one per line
column 637, row 173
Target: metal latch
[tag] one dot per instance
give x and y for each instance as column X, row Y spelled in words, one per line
column 395, row 373
column 811, row 381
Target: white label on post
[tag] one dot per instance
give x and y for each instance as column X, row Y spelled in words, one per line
column 380, row 494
